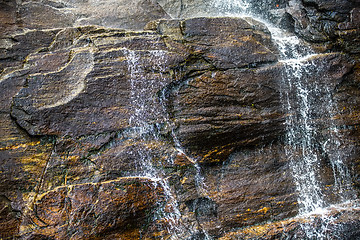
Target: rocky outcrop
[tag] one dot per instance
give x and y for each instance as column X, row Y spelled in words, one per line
column 173, row 131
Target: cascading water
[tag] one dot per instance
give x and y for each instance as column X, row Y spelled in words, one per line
column 298, row 99
column 311, row 132
column 142, row 97
column 301, row 140
column 311, row 138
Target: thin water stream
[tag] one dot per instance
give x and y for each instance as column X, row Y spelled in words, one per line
column 144, row 111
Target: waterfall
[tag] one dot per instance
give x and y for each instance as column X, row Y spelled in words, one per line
column 312, row 137
column 298, row 99
column 311, row 132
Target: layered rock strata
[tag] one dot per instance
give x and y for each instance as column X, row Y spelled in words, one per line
column 69, row 150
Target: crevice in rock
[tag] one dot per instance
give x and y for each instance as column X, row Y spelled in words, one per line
column 42, row 177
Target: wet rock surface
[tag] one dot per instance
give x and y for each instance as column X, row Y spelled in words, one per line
column 339, row 222
column 332, row 24
column 74, row 98
column 44, row 14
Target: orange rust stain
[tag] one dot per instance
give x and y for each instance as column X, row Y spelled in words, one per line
column 20, row 146
column 263, row 210
column 211, row 56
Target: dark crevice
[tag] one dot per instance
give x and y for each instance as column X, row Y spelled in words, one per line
column 310, row 4
column 182, row 7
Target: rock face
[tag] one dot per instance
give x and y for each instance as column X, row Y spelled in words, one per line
column 334, row 24
column 175, row 131
column 121, row 14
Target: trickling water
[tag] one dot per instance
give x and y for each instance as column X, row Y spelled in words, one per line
column 144, row 111
column 144, row 84
column 199, row 179
column 337, row 152
column 140, row 106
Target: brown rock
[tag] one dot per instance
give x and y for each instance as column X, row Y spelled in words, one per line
column 7, row 17
column 94, row 210
column 197, row 101
column 222, row 110
column 252, row 186
column 229, row 42
column 9, row 218
column 14, row 48
column 58, row 102
column 36, row 15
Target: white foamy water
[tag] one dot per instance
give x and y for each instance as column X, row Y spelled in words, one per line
column 230, row 7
